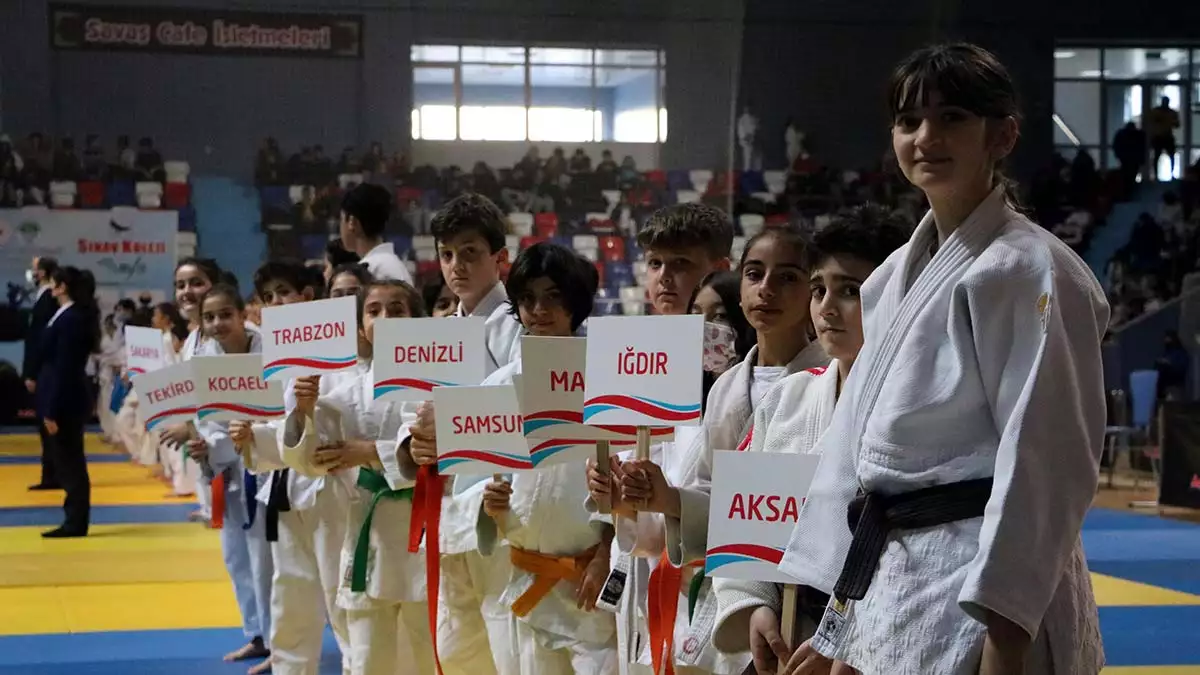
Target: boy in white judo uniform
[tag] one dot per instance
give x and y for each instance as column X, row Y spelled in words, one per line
column 965, row 445
column 559, row 553
column 470, row 233
column 793, row 414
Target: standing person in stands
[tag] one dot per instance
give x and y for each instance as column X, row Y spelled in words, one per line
column 366, row 209
column 469, row 232
column 63, row 404
column 45, row 306
column 970, row 430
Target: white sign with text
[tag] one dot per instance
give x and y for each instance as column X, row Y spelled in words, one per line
column 479, row 430
column 412, row 356
column 309, row 338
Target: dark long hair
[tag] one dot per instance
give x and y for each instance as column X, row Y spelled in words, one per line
column 81, row 289
column 966, row 76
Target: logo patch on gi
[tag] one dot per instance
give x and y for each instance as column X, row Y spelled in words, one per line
column 1043, row 310
column 829, row 633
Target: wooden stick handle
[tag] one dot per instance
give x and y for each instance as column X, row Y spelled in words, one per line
column 787, row 621
column 643, row 442
column 604, row 503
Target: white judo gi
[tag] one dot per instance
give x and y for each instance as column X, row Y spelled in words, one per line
column 546, row 520
column 243, row 539
column 307, row 551
column 981, row 360
column 387, row 622
column 111, row 357
column 789, row 419
column 470, row 615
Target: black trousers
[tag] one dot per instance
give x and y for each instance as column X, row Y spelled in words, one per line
column 49, row 475
column 71, row 466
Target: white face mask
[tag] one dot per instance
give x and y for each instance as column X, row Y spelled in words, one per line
column 719, row 350
column 30, row 277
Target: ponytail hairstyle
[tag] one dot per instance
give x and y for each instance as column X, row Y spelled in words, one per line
column 966, row 76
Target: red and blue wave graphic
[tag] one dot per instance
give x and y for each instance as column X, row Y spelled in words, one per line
column 658, row 410
column 249, row 411
column 135, row 371
column 729, row 554
column 168, row 415
column 499, row 459
column 547, row 449
column 550, row 418
column 326, row 364
column 384, row 387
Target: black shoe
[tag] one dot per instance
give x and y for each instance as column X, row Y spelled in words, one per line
column 63, row 533
column 44, row 486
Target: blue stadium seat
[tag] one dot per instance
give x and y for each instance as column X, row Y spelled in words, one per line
column 312, row 246
column 121, row 193
column 275, row 197
column 752, row 181
column 402, row 244
column 679, row 180
column 607, row 307
column 187, row 219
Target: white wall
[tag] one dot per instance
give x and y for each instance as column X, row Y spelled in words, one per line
column 500, row 154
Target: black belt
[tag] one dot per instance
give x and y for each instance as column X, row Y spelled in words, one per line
column 277, row 501
column 872, row 516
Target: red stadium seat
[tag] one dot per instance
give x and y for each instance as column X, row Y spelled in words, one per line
column 91, row 195
column 613, row 248
column 428, row 268
column 657, row 178
column 408, row 195
column 177, row 195
column 545, row 225
column 600, row 271
column 526, row 242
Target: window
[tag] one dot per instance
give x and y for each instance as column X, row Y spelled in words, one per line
column 549, row 93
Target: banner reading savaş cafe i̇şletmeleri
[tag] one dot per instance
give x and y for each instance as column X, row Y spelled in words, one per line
column 204, row 31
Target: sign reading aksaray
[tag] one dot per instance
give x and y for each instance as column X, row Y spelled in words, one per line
column 204, row 31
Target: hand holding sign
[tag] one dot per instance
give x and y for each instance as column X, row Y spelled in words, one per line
column 306, row 390
column 423, row 446
column 644, row 487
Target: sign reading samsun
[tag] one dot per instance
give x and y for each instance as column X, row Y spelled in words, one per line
column 201, row 31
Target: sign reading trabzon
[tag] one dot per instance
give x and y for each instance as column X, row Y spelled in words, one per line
column 202, row 31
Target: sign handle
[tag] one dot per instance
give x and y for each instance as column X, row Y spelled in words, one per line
column 643, row 442
column 787, row 622
column 604, row 503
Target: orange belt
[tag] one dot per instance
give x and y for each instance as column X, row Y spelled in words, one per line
column 663, row 606
column 426, row 517
column 218, row 501
column 547, row 570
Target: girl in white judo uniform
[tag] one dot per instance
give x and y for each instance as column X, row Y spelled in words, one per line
column 243, row 540
column 110, row 365
column 965, row 445
column 305, row 509
column 559, row 553
column 338, row 427
column 775, row 300
column 794, row 413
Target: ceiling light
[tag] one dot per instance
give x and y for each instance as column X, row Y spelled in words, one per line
column 1064, row 54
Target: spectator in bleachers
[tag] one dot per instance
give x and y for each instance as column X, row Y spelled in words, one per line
column 483, row 181
column 126, row 165
column 401, row 168
column 628, row 175
column 268, row 164
column 308, row 214
column 580, row 162
column 66, row 165
column 349, row 161
column 531, row 162
column 95, row 166
column 336, row 255
column 546, row 194
column 365, row 212
column 39, row 159
column 556, row 165
column 11, row 170
column 298, row 164
column 1129, row 145
column 374, row 162
column 322, row 167
column 149, row 162
column 515, row 194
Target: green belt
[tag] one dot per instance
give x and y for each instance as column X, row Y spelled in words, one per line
column 694, row 592
column 372, row 481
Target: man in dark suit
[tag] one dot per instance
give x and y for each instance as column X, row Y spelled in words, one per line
column 43, row 309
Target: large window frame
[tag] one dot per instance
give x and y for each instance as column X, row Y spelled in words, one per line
column 1107, row 80
column 433, row 62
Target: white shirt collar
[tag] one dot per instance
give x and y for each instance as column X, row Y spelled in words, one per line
column 59, row 312
column 384, row 248
column 488, row 304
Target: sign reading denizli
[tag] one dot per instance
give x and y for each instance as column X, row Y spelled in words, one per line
column 204, row 31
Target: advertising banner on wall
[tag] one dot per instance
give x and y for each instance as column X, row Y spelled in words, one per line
column 203, row 31
column 128, row 250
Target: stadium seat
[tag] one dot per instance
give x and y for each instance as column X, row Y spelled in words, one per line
column 545, row 224
column 275, row 197
column 121, row 193
column 679, row 180
column 62, row 194
column 513, row 243
column 735, row 251
column 522, row 223
column 403, row 245
column 427, row 268
column 149, row 195
column 177, row 195
column 349, row 180
column 777, row 220
column 424, row 248
column 613, row 197
column 295, row 193
column 187, row 219
column 526, row 242
column 176, row 171
column 606, row 307
column 600, row 272
column 751, row 182
column 657, row 178
column 776, row 181
column 764, row 197
column 312, row 246
column 700, row 179
column 687, row 197
column 751, row 224
column 91, row 195
column 598, row 221
column 408, row 195
column 613, row 248
column 185, row 244
column 633, row 300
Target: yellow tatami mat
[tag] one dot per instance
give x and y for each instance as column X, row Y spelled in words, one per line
column 25, row 445
column 1114, row 592
column 113, row 484
column 117, row 607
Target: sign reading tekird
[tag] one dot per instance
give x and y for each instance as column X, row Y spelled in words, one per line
column 147, row 29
